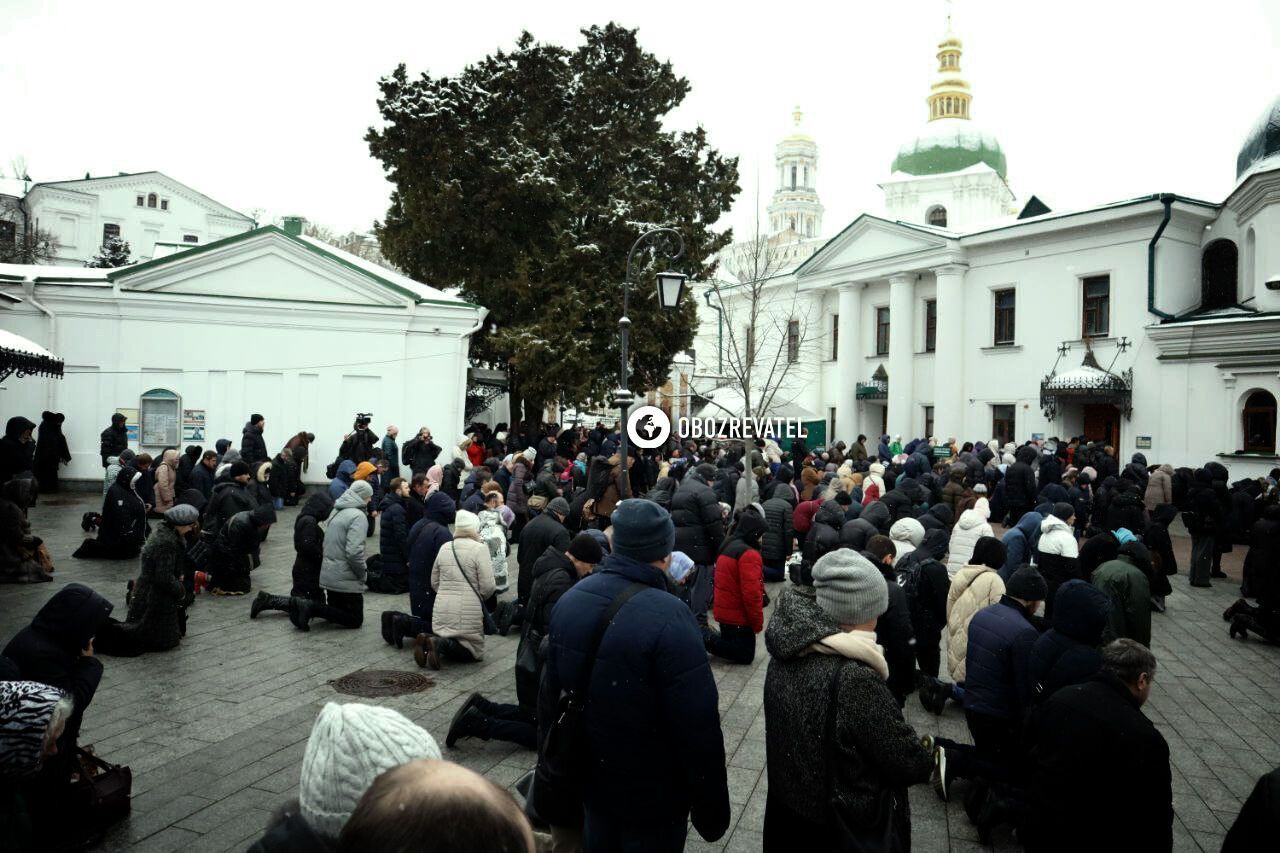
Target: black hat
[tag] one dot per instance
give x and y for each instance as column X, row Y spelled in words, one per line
column 642, row 530
column 585, row 548
column 239, row 469
column 1027, row 584
column 1064, row 511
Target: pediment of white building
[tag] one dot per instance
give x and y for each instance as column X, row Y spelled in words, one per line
column 871, row 241
column 148, row 181
column 261, row 265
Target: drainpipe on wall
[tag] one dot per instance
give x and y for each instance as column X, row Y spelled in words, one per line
column 29, row 294
column 466, row 363
column 706, row 294
column 1167, row 200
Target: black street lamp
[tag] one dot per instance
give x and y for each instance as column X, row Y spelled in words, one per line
column 671, row 287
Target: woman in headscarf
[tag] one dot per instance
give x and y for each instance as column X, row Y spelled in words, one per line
column 32, row 718
column 166, row 481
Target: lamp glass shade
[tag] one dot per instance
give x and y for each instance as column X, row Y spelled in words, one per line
column 671, row 288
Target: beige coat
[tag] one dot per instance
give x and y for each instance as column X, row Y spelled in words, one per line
column 972, row 589
column 166, row 481
column 1159, row 488
column 457, row 612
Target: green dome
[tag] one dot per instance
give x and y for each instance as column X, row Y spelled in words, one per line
column 1263, row 140
column 950, row 145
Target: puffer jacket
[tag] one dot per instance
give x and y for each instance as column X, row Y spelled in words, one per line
column 393, row 536
column 427, row 536
column 824, row 535
column 877, row 515
column 907, row 534
column 553, row 575
column 1017, row 543
column 342, row 568
column 462, row 577
column 778, row 535
column 1159, row 488
column 1128, row 511
column 1126, row 584
column 158, row 594
column 1057, row 556
column 810, row 479
column 342, row 480
column 1020, row 481
column 695, row 511
column 971, row 527
column 308, row 546
column 953, row 491
column 1068, row 653
column 878, row 749
column 996, row 660
column 166, row 481
column 252, row 447
column 739, row 584
column 973, row 588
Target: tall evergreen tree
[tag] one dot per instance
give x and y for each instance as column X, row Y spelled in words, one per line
column 525, row 179
column 114, row 253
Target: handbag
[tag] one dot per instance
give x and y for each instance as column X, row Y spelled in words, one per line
column 527, row 656
column 99, row 795
column 880, row 836
column 490, row 625
column 537, row 502
column 556, row 793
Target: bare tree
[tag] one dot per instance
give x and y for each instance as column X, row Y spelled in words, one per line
column 20, row 241
column 766, row 323
column 364, row 246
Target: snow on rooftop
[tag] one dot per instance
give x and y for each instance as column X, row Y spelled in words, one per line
column 951, row 133
column 17, row 343
column 420, row 290
column 47, row 271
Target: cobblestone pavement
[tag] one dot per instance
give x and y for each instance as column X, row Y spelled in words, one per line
column 215, row 730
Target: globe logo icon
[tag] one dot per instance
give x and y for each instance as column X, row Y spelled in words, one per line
column 648, row 427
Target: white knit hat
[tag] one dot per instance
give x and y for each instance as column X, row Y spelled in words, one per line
column 466, row 523
column 350, row 746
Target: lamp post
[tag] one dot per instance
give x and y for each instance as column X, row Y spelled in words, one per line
column 670, row 290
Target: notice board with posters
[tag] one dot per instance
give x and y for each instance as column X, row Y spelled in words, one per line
column 159, row 411
column 192, row 425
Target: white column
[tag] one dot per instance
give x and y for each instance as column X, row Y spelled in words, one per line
column 901, row 358
column 948, row 363
column 849, row 367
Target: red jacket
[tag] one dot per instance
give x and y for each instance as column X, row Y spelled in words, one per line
column 475, row 453
column 802, row 518
column 739, row 584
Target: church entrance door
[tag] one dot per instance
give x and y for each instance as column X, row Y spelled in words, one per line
column 1102, row 423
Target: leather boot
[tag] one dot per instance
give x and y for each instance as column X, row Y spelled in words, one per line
column 468, row 721
column 1230, row 612
column 387, row 616
column 425, row 652
column 262, row 601
column 401, row 627
column 300, row 613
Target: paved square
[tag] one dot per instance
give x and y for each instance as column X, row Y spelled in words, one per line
column 215, row 730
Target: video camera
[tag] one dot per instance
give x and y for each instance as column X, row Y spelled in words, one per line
column 363, row 419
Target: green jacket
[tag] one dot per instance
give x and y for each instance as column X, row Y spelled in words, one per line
column 1130, row 594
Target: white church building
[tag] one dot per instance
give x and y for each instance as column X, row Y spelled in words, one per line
column 1151, row 322
column 267, row 321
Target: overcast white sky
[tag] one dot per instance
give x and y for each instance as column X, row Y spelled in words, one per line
column 264, row 104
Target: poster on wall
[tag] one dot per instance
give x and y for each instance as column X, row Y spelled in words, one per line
column 193, row 425
column 131, row 423
column 158, row 428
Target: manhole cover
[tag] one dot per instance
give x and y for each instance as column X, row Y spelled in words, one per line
column 371, row 683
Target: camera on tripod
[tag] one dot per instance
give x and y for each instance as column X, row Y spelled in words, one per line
column 363, row 419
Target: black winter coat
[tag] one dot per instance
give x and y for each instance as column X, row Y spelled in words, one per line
column 202, row 479
column 253, row 448
column 779, row 537
column 1258, row 825
column 1020, row 481
column 393, row 536
column 124, row 518
column 928, row 609
column 187, row 463
column 823, row 537
column 51, row 451
column 48, row 651
column 695, row 511
column 426, row 538
column 653, row 681
column 1050, row 470
column 308, row 546
column 112, row 440
column 543, row 532
column 1098, row 762
column 1068, row 653
column 419, row 455
column 159, row 595
column 896, row 636
column 228, row 498
column 878, row 749
column 1127, row 510
column 553, row 575
column 290, row 833
column 16, row 457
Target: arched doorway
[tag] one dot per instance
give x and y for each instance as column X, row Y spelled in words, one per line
column 1102, row 423
column 1218, row 272
column 1259, row 422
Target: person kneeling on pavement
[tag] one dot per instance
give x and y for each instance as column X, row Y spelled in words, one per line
column 343, row 567
column 234, row 548
column 554, row 574
column 463, row 580
column 840, row 756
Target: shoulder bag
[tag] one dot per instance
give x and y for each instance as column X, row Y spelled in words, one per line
column 490, row 625
column 846, row 836
column 99, row 793
column 556, row 790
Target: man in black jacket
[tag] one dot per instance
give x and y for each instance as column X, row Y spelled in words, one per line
column 253, row 448
column 1020, row 483
column 202, row 475
column 17, row 450
column 546, row 530
column 554, row 573
column 893, row 629
column 114, row 438
column 420, row 452
column 1101, row 777
column 695, row 511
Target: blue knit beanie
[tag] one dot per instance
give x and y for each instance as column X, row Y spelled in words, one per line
column 642, row 530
